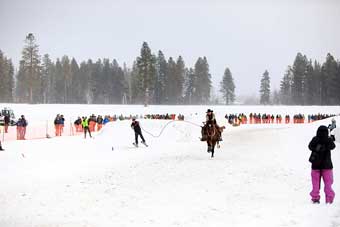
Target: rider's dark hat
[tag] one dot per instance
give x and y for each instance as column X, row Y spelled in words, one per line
column 209, row 110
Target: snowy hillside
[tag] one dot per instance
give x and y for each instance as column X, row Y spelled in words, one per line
column 259, row 177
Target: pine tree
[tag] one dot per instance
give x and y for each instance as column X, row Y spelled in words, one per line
column 67, row 78
column 171, row 82
column 127, row 85
column 285, row 87
column 59, row 82
column 85, row 71
column 265, row 89
column 47, row 80
column 96, row 83
column 189, row 86
column 31, row 77
column 137, row 93
column 337, row 83
column 21, row 89
column 179, row 80
column 6, row 79
column 75, row 85
column 161, row 79
column 276, row 97
column 203, row 81
column 317, row 97
column 146, row 64
column 329, row 88
column 118, row 83
column 228, row 87
column 298, row 79
column 310, row 84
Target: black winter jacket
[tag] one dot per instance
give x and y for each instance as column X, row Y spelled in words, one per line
column 135, row 126
column 322, row 144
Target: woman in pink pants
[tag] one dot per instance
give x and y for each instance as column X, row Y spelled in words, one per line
column 322, row 167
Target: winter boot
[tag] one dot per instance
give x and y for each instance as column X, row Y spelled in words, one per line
column 315, row 201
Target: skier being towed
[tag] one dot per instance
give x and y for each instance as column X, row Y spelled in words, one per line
column 138, row 132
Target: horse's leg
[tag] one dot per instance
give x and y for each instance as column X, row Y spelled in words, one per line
column 209, row 146
column 212, row 149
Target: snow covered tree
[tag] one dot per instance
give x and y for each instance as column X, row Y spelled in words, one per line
column 265, row 89
column 228, row 87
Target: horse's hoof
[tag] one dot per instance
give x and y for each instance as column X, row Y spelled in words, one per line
column 218, row 146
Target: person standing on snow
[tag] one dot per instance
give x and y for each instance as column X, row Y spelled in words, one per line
column 1, row 149
column 85, row 125
column 21, row 128
column 331, row 127
column 138, row 132
column 322, row 166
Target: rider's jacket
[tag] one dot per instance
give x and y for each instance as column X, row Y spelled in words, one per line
column 211, row 119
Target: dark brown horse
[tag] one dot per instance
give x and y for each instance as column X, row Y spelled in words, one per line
column 212, row 133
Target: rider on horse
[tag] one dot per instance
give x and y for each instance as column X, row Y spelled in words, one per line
column 210, row 120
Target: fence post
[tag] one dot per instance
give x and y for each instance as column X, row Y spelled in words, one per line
column 47, row 129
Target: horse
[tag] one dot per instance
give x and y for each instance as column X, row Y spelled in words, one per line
column 212, row 135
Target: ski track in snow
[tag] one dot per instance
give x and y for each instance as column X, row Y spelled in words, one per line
column 259, row 177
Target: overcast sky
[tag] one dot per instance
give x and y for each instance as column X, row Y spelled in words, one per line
column 246, row 36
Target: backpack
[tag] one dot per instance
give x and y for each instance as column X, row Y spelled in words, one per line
column 316, row 154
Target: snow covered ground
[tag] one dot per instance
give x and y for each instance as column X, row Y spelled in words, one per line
column 259, row 177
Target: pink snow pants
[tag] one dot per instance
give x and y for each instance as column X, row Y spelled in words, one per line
column 327, row 176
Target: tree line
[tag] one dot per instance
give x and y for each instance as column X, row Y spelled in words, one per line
column 152, row 79
column 306, row 82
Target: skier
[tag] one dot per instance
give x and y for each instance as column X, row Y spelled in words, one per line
column 321, row 146
column 138, row 132
column 210, row 119
column 85, row 125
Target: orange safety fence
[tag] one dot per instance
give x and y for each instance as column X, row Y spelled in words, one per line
column 39, row 130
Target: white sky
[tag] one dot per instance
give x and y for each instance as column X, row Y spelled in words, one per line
column 246, row 36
